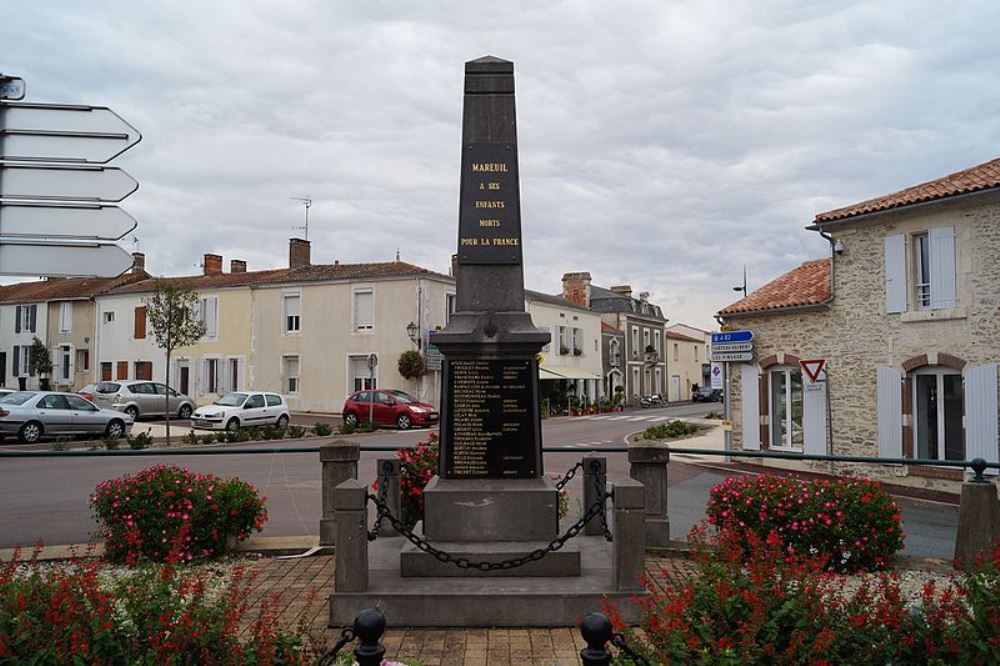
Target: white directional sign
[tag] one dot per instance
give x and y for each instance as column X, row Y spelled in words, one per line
column 63, row 133
column 81, row 221
column 732, row 347
column 11, row 87
column 66, row 183
column 731, row 357
column 63, row 260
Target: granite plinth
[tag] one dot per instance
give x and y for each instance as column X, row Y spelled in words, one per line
column 491, row 510
column 414, row 562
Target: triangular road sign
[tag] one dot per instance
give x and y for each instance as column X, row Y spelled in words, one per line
column 812, row 368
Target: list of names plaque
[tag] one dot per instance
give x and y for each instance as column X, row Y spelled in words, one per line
column 490, row 426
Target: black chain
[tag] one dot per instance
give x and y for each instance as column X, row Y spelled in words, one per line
column 383, row 488
column 595, row 469
column 484, row 566
column 618, row 640
column 569, row 475
column 330, row 658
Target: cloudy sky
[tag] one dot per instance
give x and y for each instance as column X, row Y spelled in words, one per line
column 662, row 144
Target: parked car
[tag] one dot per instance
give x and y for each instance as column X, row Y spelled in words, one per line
column 245, row 408
column 32, row 414
column 138, row 398
column 389, row 407
column 706, row 394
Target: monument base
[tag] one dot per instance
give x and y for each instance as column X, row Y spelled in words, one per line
column 477, row 601
column 414, row 562
column 491, row 509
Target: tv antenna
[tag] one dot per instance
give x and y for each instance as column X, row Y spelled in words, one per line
column 307, row 203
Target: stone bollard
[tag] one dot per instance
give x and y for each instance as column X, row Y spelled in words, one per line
column 351, row 568
column 595, row 481
column 388, row 478
column 629, row 544
column 648, row 466
column 978, row 521
column 340, row 463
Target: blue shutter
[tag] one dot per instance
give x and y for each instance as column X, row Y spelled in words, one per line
column 889, row 401
column 895, row 273
column 942, row 250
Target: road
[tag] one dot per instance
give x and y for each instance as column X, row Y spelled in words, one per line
column 47, row 498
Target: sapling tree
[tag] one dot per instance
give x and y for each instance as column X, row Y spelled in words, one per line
column 40, row 362
column 171, row 312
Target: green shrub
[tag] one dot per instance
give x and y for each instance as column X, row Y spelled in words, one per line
column 272, row 432
column 139, row 441
column 208, row 439
column 222, row 436
column 110, row 443
column 190, row 438
column 346, row 429
column 322, row 429
column 144, row 515
column 670, row 430
column 296, row 432
column 252, row 433
column 411, row 365
column 60, row 444
column 853, row 522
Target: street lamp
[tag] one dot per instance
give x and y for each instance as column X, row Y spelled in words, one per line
column 413, row 331
column 743, row 288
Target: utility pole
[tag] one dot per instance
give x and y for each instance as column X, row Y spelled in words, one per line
column 307, row 203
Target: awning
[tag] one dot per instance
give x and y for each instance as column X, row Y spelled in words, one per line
column 566, row 373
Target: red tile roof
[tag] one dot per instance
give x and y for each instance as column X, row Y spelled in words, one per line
column 314, row 273
column 673, row 335
column 41, row 291
column 608, row 328
column 809, row 284
column 982, row 177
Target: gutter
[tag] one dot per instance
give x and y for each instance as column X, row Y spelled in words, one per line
column 865, row 217
column 790, row 308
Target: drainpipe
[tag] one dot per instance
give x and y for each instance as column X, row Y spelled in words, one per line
column 829, row 410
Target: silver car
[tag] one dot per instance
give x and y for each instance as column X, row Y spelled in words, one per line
column 33, row 414
column 137, row 397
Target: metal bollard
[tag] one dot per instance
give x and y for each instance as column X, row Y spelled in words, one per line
column 596, row 630
column 388, row 474
column 340, row 463
column 369, row 626
column 595, row 476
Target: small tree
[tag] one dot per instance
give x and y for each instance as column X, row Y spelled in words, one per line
column 171, row 312
column 411, row 365
column 40, row 362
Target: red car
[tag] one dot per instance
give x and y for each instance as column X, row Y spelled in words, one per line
column 389, row 407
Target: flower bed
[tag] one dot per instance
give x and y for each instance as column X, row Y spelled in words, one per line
column 776, row 609
column 854, row 523
column 163, row 507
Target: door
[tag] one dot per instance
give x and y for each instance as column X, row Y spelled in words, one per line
column 675, row 388
column 254, row 410
column 86, row 417
column 145, row 397
column 185, row 379
column 161, row 393
column 385, row 408
column 938, row 399
column 54, row 413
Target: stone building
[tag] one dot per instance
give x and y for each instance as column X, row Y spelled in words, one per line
column 905, row 313
column 643, row 360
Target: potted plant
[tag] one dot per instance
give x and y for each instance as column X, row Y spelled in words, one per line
column 40, row 363
column 563, row 351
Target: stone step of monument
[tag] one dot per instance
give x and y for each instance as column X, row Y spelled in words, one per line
column 564, row 562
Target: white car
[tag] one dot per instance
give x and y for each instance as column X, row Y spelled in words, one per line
column 242, row 409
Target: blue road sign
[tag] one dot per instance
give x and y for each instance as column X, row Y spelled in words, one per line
column 732, row 336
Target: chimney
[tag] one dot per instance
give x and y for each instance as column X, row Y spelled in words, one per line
column 298, row 253
column 138, row 263
column 212, row 264
column 623, row 290
column 576, row 288
column 237, row 266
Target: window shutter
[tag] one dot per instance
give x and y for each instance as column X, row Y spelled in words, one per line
column 292, row 308
column 140, row 322
column 31, row 360
column 213, row 316
column 890, row 412
column 813, row 416
column 895, row 273
column 942, row 248
column 33, row 313
column 981, row 412
column 17, row 319
column 750, row 417
column 363, row 309
column 17, row 360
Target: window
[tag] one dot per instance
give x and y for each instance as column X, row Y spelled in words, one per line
column 25, row 318
column 635, row 382
column 696, row 353
column 210, row 375
column 208, row 313
column 272, row 399
column 144, row 370
column 65, row 317
column 677, row 351
column 255, row 401
column 364, row 309
column 922, row 270
column 82, row 360
column 923, row 275
column 53, row 401
column 106, row 371
column 65, row 364
column 359, row 376
column 121, row 371
column 938, row 406
column 656, row 341
column 234, row 374
column 565, row 341
column 139, row 323
column 291, row 373
column 615, row 350
column 578, row 341
column 109, row 317
column 292, row 313
column 645, row 339
column 79, row 404
column 22, row 360
column 635, row 342
column 450, row 303
column 786, row 407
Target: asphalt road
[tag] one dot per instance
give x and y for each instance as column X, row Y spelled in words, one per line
column 47, row 498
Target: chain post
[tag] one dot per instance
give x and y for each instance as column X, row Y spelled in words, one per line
column 369, row 626
column 595, row 482
column 596, row 630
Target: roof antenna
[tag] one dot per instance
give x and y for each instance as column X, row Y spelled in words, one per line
column 135, row 241
column 397, row 253
column 307, row 202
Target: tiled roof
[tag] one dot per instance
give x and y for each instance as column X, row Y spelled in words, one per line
column 673, row 335
column 553, row 300
column 982, row 177
column 608, row 328
column 809, row 284
column 314, row 273
column 40, row 291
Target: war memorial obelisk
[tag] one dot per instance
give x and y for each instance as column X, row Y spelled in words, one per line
column 491, row 502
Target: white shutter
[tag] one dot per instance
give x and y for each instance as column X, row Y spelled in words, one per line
column 364, row 310
column 750, row 398
column 981, row 412
column 292, row 306
column 813, row 416
column 890, row 412
column 212, row 319
column 942, row 249
column 895, row 273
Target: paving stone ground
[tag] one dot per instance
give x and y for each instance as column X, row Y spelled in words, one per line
column 303, row 587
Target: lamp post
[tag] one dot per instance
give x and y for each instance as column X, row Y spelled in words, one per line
column 744, row 287
column 413, row 332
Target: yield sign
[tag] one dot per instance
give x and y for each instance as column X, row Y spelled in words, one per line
column 812, row 368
